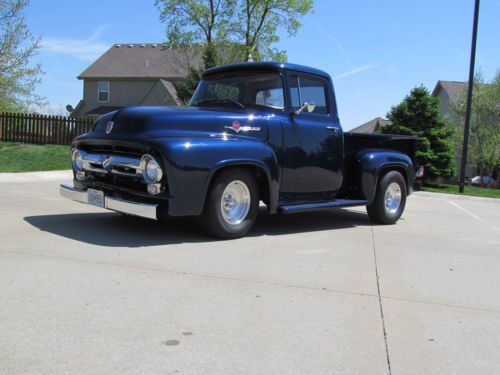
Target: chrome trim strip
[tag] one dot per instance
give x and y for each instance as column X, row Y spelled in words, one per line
column 110, row 203
column 132, row 208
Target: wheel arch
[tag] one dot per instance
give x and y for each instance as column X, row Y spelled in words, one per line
column 262, row 174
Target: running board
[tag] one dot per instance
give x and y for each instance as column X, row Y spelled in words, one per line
column 292, row 208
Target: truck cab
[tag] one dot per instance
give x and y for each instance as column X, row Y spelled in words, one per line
column 252, row 132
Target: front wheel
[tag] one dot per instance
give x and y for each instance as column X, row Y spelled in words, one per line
column 390, row 199
column 232, row 204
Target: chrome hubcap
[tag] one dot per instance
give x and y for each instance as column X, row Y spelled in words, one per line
column 235, row 202
column 392, row 198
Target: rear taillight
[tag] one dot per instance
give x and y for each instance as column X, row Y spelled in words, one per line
column 420, row 172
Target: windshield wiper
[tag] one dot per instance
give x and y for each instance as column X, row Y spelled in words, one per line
column 215, row 100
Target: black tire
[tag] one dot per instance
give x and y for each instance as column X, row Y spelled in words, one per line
column 377, row 210
column 212, row 219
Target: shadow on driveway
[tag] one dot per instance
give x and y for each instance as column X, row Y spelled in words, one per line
column 112, row 229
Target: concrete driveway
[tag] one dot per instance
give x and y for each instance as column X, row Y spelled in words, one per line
column 86, row 291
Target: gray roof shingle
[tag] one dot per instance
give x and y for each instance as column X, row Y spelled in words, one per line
column 151, row 60
column 452, row 88
column 370, row 126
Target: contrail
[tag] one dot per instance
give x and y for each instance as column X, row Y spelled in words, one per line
column 357, row 70
column 332, row 38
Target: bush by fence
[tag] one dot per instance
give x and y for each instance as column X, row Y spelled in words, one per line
column 41, row 129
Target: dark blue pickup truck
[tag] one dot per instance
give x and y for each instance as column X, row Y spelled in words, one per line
column 252, row 132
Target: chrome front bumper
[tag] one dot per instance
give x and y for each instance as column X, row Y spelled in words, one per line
column 115, row 204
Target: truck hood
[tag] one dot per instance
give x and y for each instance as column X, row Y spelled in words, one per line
column 158, row 122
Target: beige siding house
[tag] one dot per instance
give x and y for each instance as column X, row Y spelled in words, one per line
column 133, row 74
column 447, row 92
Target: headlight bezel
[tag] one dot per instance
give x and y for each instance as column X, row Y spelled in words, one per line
column 149, row 163
column 77, row 160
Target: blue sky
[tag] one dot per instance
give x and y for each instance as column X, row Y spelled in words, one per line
column 376, row 51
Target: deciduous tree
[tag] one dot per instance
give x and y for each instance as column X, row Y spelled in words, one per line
column 197, row 22
column 258, row 21
column 18, row 75
column 484, row 141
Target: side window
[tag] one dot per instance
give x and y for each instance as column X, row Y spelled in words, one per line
column 272, row 97
column 103, row 91
column 311, row 90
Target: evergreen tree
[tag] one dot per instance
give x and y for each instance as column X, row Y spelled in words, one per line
column 419, row 115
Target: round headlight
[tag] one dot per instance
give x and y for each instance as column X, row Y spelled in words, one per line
column 77, row 160
column 152, row 170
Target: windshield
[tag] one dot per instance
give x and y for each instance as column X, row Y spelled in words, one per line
column 241, row 90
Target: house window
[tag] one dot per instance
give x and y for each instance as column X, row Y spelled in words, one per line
column 103, row 91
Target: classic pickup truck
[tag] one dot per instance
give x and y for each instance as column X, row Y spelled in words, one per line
column 260, row 131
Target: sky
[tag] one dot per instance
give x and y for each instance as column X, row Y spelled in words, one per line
column 376, row 51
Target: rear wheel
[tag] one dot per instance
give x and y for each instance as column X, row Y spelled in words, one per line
column 232, row 204
column 390, row 199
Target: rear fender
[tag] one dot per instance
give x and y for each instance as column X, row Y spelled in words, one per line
column 371, row 165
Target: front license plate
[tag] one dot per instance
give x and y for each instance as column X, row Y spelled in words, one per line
column 95, row 197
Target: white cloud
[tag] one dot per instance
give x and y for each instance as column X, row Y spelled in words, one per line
column 84, row 49
column 357, row 70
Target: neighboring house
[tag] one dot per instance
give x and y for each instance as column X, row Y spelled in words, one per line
column 371, row 126
column 133, row 75
column 448, row 92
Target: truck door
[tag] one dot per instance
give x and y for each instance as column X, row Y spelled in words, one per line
column 313, row 147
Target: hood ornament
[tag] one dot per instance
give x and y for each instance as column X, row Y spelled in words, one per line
column 109, row 127
column 236, row 127
column 106, row 164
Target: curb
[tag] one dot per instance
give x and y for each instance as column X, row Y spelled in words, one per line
column 6, row 178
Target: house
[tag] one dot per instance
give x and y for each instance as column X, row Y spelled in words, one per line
column 371, row 126
column 131, row 75
column 448, row 92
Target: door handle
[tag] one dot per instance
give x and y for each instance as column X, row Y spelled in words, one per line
column 333, row 129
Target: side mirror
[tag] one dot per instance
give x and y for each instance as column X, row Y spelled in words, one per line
column 308, row 107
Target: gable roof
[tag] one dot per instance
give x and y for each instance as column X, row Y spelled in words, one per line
column 162, row 93
column 452, row 88
column 371, row 126
column 151, row 61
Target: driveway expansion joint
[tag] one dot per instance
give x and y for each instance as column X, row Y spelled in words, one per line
column 380, row 304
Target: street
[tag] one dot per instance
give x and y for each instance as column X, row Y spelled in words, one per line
column 89, row 291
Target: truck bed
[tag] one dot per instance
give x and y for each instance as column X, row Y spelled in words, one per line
column 354, row 142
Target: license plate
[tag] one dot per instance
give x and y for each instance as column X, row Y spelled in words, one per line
column 95, row 197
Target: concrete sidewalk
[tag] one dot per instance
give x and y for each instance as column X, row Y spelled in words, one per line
column 84, row 290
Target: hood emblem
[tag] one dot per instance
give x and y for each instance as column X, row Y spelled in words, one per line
column 236, row 126
column 109, row 127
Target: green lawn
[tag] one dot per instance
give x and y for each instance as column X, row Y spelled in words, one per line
column 468, row 190
column 20, row 157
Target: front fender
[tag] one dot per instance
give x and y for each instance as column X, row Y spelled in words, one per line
column 191, row 164
column 371, row 164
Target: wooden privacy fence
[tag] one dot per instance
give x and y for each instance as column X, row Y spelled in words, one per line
column 41, row 129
